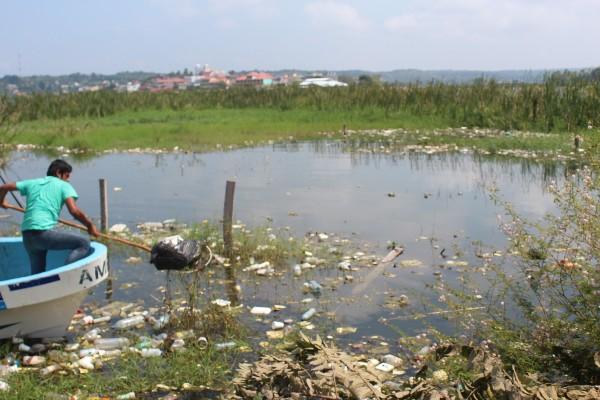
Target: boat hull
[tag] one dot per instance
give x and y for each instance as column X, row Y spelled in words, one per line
column 42, row 305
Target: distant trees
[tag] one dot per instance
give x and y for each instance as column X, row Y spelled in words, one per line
column 369, row 80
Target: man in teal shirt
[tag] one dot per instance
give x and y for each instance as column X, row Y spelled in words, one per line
column 45, row 198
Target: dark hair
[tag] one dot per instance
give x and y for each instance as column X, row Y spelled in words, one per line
column 58, row 167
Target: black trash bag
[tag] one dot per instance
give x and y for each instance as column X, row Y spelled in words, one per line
column 165, row 255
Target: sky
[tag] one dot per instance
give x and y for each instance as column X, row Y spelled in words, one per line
column 108, row 36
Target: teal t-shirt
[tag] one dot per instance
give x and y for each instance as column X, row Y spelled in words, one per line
column 45, row 198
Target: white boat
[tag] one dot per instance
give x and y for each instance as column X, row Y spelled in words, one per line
column 42, row 305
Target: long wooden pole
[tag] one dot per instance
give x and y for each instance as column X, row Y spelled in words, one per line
column 83, row 228
column 103, row 206
column 228, row 217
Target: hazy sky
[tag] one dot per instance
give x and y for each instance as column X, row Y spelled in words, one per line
column 107, row 36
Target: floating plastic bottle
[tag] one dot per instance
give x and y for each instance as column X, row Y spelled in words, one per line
column 309, row 314
column 126, row 396
column 92, row 335
column 151, row 353
column 24, row 348
column 260, row 310
column 276, row 325
column 297, row 270
column 224, row 346
column 313, row 286
column 130, row 322
column 86, row 363
column 87, row 352
column 111, row 343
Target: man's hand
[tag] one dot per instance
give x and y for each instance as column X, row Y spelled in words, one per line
column 93, row 231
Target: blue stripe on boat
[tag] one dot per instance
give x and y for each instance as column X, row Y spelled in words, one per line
column 34, row 282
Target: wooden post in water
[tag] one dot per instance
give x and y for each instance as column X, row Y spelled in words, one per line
column 228, row 217
column 103, row 206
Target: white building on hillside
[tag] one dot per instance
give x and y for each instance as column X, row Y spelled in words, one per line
column 322, row 82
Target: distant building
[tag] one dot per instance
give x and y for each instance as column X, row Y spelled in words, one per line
column 162, row 83
column 286, row 79
column 132, row 86
column 255, row 79
column 322, row 82
column 207, row 77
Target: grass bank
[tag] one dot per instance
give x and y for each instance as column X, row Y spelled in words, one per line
column 208, row 129
column 201, row 129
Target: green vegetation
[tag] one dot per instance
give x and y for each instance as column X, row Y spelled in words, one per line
column 539, row 310
column 200, row 129
column 195, row 119
column 197, row 366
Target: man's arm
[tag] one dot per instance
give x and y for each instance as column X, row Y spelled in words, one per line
column 81, row 217
column 4, row 189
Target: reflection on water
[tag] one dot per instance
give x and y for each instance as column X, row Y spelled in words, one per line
column 361, row 193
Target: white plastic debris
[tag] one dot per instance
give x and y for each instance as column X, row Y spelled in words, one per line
column 260, row 310
column 118, row 228
column 87, row 352
column 100, row 320
column 172, row 240
column 276, row 325
column 178, row 345
column 49, row 369
column 385, row 367
column 24, row 348
column 92, row 335
column 221, row 302
column 86, row 363
column 313, row 287
column 4, row 386
column 258, row 266
column 33, row 361
column 111, row 343
column 392, row 360
column 297, row 270
column 224, row 346
column 344, row 265
column 151, row 353
column 126, row 396
column 308, row 314
column 130, row 322
column 151, row 226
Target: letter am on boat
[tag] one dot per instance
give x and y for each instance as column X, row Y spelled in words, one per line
column 99, row 272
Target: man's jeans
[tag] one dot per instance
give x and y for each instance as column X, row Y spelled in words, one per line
column 37, row 244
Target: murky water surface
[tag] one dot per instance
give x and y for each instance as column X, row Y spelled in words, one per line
column 424, row 202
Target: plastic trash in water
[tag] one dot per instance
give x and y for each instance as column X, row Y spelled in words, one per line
column 86, row 363
column 151, row 353
column 161, row 322
column 92, row 335
column 309, row 314
column 130, row 322
column 24, row 348
column 297, row 270
column 276, row 325
column 111, row 343
column 260, row 310
column 224, row 346
column 87, row 352
column 178, row 345
column 126, row 396
column 313, row 286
